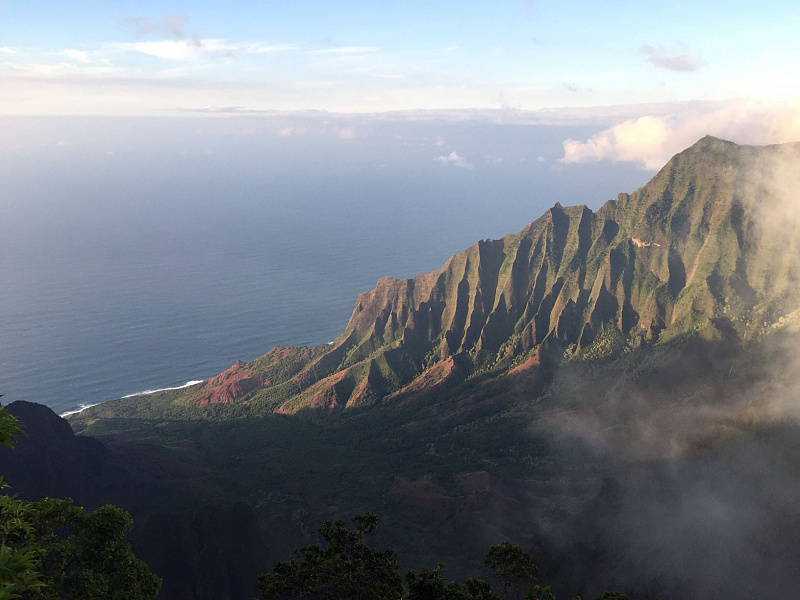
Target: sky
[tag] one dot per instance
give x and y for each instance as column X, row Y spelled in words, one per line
column 176, row 58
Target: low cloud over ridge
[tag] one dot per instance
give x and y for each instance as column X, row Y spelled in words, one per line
column 651, row 140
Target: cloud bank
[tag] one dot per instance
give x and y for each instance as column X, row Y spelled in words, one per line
column 651, row 140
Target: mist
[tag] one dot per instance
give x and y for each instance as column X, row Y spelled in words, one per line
column 696, row 444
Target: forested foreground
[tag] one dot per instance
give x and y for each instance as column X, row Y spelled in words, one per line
column 51, row 549
column 345, row 566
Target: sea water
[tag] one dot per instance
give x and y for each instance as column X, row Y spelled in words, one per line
column 140, row 254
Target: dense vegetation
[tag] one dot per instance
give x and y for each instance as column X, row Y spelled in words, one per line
column 346, row 568
column 50, row 549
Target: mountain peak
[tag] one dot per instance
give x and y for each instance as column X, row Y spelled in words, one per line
column 710, row 139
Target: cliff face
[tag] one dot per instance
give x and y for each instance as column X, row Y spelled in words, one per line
column 687, row 249
column 709, row 245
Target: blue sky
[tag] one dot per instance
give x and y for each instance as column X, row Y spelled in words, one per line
column 117, row 58
column 653, row 77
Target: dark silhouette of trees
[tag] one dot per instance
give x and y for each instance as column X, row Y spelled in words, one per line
column 513, row 567
column 344, row 567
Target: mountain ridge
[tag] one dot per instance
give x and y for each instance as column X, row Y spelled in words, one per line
column 685, row 254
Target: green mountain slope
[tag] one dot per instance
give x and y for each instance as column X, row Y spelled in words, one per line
column 709, row 246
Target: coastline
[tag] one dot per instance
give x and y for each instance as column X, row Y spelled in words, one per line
column 144, row 393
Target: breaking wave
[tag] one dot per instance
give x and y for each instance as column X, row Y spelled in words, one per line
column 83, row 407
column 166, row 389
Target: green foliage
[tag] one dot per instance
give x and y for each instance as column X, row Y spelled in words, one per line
column 430, row 584
column 95, row 561
column 345, row 568
column 542, row 593
column 478, row 589
column 513, row 566
column 611, row 596
column 608, row 344
column 50, row 549
column 427, row 584
column 10, row 427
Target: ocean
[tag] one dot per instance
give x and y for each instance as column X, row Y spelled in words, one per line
column 142, row 254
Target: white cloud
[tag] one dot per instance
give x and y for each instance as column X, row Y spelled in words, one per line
column 7, row 50
column 196, row 48
column 166, row 49
column 78, row 55
column 455, row 160
column 65, row 72
column 651, row 140
column 84, row 56
column 663, row 59
column 347, row 133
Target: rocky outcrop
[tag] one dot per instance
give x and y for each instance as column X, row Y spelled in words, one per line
column 275, row 367
column 228, row 386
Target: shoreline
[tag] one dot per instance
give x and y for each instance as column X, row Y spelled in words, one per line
column 144, row 393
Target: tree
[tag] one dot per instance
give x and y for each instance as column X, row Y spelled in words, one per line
column 344, row 569
column 513, row 566
column 479, row 589
column 10, row 427
column 347, row 569
column 542, row 593
column 50, row 549
column 427, row 584
column 430, row 584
